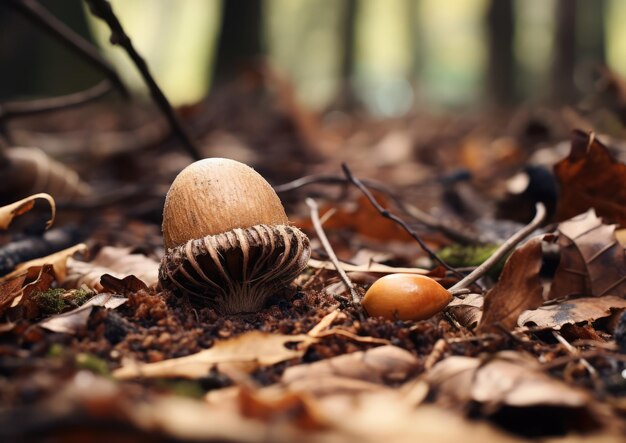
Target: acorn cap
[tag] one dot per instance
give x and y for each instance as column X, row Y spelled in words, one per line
column 216, row 195
column 228, row 242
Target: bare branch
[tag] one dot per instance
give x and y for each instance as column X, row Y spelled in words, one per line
column 9, row 110
column 385, row 213
column 103, row 10
column 315, row 218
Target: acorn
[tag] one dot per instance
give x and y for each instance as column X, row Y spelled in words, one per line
column 228, row 241
column 405, row 297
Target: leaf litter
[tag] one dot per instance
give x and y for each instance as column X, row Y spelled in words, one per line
column 310, row 365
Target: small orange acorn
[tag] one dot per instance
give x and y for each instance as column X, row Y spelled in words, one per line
column 405, row 297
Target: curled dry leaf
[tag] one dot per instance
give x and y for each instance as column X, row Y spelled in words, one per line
column 591, row 178
column 9, row 212
column 468, row 310
column 572, row 311
column 247, row 352
column 518, row 289
column 116, row 262
column 31, row 170
column 72, row 321
column 592, row 261
column 58, row 261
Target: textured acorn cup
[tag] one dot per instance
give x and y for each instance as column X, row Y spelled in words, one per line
column 405, row 297
column 227, row 239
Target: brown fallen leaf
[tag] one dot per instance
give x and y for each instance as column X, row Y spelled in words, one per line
column 70, row 322
column 591, row 178
column 43, row 279
column 572, row 311
column 378, row 365
column 590, row 258
column 116, row 262
column 518, row 289
column 58, row 261
column 508, row 379
column 245, row 352
column 9, row 212
column 468, row 310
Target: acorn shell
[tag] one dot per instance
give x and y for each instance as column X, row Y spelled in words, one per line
column 405, row 297
column 216, row 195
column 238, row 270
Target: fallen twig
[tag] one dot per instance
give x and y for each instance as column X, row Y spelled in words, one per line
column 385, row 213
column 41, row 17
column 103, row 10
column 315, row 218
column 9, row 110
column 503, row 250
column 420, row 216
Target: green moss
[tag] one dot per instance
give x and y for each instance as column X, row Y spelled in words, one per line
column 50, row 301
column 58, row 300
column 56, row 350
column 184, row 388
column 471, row 256
column 92, row 363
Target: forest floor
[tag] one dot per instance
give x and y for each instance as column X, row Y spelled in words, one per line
column 92, row 348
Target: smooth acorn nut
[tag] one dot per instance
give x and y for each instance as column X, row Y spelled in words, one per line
column 405, row 297
column 227, row 238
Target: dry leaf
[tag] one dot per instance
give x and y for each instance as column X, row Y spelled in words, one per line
column 591, row 178
column 246, row 352
column 468, row 310
column 572, row 311
column 9, row 212
column 518, row 289
column 44, row 277
column 590, row 251
column 72, row 321
column 510, row 378
column 31, row 170
column 379, row 365
column 58, row 261
column 116, row 262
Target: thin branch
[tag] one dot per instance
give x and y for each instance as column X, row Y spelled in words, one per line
column 385, row 213
column 503, row 250
column 9, row 110
column 420, row 216
column 573, row 351
column 103, row 10
column 315, row 218
column 42, row 18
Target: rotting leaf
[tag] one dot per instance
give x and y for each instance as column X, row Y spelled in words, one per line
column 378, row 365
column 116, row 262
column 591, row 178
column 518, row 289
column 591, row 252
column 572, row 311
column 70, row 322
column 246, row 352
column 9, row 212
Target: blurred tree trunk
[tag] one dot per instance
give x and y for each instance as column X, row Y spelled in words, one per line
column 241, row 38
column 591, row 29
column 416, row 38
column 347, row 98
column 33, row 63
column 501, row 30
column 564, row 60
